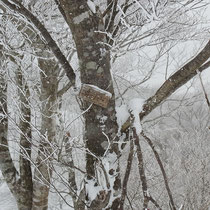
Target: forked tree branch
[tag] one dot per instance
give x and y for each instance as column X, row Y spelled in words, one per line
column 19, row 8
column 146, row 195
column 181, row 77
column 161, row 168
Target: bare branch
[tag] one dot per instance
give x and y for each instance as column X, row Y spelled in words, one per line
column 161, row 168
column 61, row 9
column 181, row 77
column 26, row 184
column 7, row 167
column 141, row 169
column 18, row 7
column 127, row 174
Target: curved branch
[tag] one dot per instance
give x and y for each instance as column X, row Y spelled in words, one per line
column 181, row 77
column 18, row 7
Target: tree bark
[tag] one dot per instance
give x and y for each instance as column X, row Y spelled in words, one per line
column 39, row 190
column 94, row 60
column 24, row 199
column 43, row 170
column 7, row 167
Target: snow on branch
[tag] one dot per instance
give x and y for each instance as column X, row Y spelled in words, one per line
column 134, row 107
column 182, row 76
column 19, row 8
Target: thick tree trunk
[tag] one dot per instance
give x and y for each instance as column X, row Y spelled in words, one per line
column 43, row 170
column 24, row 199
column 7, row 167
column 39, row 190
column 100, row 123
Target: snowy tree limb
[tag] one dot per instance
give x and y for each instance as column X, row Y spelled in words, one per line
column 179, row 78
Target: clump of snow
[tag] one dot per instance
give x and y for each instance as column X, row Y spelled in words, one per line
column 135, row 106
column 92, row 6
column 122, row 115
column 103, row 52
column 92, row 190
column 110, row 163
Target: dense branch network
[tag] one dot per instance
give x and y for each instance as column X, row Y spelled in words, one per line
column 18, row 7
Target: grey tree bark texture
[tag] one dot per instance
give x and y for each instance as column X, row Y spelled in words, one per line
column 48, row 97
column 24, row 200
column 94, row 62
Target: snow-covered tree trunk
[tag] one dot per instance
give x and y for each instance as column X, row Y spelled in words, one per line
column 87, row 27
